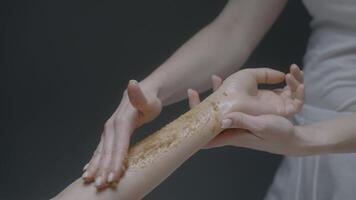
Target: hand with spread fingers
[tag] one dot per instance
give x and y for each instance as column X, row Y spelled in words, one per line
column 138, row 106
column 259, row 123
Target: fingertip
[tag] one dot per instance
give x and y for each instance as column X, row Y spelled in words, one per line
column 216, row 78
column 294, row 67
column 133, row 87
column 193, row 98
column 85, row 175
column 98, row 181
column 277, row 73
column 115, row 175
column 86, row 167
column 89, row 172
column 136, row 95
column 190, row 92
column 216, row 81
column 269, row 76
column 133, row 82
column 111, row 177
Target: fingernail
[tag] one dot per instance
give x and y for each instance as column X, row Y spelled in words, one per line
column 85, row 175
column 85, row 167
column 134, row 82
column 111, row 177
column 226, row 123
column 98, row 181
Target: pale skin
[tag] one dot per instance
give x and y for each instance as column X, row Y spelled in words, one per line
column 194, row 129
column 233, row 35
column 219, row 48
column 276, row 134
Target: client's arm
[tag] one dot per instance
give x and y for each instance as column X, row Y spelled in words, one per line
column 220, row 48
column 156, row 157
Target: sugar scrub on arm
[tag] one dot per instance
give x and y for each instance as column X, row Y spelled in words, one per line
column 153, row 159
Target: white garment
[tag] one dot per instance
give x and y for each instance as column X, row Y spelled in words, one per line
column 330, row 83
column 330, row 60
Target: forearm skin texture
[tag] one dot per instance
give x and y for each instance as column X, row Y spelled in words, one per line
column 153, row 159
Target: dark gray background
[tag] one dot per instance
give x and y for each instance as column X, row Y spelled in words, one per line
column 64, row 65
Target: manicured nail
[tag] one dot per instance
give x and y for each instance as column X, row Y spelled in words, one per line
column 226, row 123
column 111, row 177
column 85, row 175
column 190, row 91
column 134, row 82
column 86, row 166
column 98, row 181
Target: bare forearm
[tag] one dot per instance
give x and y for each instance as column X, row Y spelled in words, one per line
column 331, row 136
column 220, row 48
column 156, row 157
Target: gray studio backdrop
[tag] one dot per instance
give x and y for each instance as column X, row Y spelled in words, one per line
column 64, row 65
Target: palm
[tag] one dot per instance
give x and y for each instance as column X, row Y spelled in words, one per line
column 281, row 101
column 243, row 87
column 284, row 102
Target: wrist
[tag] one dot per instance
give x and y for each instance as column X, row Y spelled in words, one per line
column 312, row 143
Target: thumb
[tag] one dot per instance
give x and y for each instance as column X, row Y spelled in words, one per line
column 220, row 140
column 254, row 124
column 136, row 95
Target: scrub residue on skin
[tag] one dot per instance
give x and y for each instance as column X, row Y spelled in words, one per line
column 172, row 134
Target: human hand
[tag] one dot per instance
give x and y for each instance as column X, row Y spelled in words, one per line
column 242, row 88
column 137, row 107
column 285, row 102
column 270, row 133
column 242, row 93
